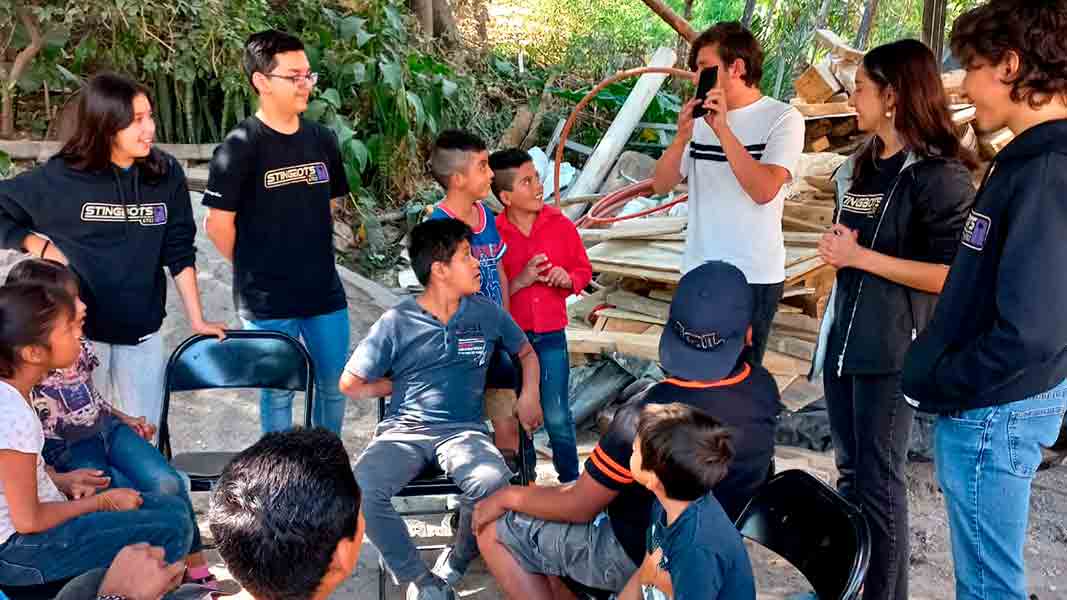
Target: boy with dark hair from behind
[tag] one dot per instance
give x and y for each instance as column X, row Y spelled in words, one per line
column 694, row 551
column 430, row 355
column 459, row 162
column 285, row 516
column 545, row 263
column 992, row 363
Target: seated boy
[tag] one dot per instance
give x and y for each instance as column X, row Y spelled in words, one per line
column 285, row 516
column 593, row 531
column 430, row 355
column 545, row 263
column 460, row 164
column 694, row 551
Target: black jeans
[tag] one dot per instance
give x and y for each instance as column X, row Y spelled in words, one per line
column 765, row 299
column 871, row 426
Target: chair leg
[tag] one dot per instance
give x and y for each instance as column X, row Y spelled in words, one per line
column 381, row 577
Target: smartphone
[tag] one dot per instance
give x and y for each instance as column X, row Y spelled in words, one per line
column 708, row 78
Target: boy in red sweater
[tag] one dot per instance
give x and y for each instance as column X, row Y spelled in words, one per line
column 545, row 263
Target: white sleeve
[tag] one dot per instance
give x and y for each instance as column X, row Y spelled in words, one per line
column 785, row 143
column 19, row 429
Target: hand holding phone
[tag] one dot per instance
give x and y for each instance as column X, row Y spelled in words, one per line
column 709, row 77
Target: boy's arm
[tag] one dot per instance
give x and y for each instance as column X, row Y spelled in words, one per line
column 505, row 293
column 578, row 502
column 364, row 374
column 581, row 271
column 529, row 403
column 358, row 388
column 762, row 179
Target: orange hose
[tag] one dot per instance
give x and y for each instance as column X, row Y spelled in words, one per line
column 592, row 94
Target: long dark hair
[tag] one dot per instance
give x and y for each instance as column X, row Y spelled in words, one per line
column 105, row 107
column 922, row 119
column 43, row 271
column 28, row 313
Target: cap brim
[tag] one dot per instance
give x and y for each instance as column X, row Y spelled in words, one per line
column 681, row 360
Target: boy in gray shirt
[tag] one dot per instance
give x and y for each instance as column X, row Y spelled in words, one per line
column 430, row 355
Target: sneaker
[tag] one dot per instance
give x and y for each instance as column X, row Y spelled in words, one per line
column 446, row 569
column 430, row 587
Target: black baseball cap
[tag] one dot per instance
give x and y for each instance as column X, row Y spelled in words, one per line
column 708, row 323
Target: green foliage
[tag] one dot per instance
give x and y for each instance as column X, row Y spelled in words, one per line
column 6, row 165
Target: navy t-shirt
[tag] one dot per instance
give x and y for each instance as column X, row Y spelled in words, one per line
column 280, row 185
column 747, row 402
column 703, row 553
column 437, row 369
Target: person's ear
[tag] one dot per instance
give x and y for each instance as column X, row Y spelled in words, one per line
column 889, row 100
column 260, row 82
column 34, row 355
column 505, row 198
column 738, row 70
column 346, row 555
column 1008, row 68
column 438, row 270
column 748, row 336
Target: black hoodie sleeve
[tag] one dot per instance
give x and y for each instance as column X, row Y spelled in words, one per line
column 15, row 221
column 1029, row 288
column 947, row 195
column 179, row 251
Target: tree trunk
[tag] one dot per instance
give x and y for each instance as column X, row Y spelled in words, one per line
column 683, row 44
column 671, row 18
column 824, row 14
column 750, row 9
column 22, row 62
column 866, row 24
column 445, row 21
column 425, row 13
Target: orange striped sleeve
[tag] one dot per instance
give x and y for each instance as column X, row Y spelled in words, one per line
column 610, row 468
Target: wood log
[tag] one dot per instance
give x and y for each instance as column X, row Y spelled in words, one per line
column 640, row 304
column 519, row 128
column 818, row 145
column 814, row 86
column 822, row 110
column 673, row 19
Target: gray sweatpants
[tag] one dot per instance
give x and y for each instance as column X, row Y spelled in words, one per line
column 395, row 457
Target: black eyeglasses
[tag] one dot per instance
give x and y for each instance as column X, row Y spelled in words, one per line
column 311, row 78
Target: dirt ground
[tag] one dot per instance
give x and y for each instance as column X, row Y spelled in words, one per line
column 230, row 421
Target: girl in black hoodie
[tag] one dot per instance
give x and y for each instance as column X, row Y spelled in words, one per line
column 116, row 210
column 902, row 202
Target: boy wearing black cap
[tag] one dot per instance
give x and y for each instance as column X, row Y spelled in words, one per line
column 593, row 531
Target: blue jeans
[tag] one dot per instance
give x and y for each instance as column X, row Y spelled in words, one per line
column 129, row 461
column 91, row 541
column 326, row 337
column 551, row 349
column 986, row 459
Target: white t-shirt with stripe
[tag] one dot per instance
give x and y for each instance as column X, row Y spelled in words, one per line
column 724, row 222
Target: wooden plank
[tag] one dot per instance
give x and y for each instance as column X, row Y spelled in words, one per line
column 638, row 229
column 629, row 315
column 640, row 304
column 818, row 214
column 607, row 151
column 636, row 273
column 801, row 239
column 790, row 346
column 596, row 342
column 664, row 294
column 818, row 145
column 801, row 322
column 617, row 325
column 798, row 272
column 813, row 85
column 794, row 224
column 660, row 256
column 582, row 309
column 780, row 364
column 826, row 109
column 801, row 392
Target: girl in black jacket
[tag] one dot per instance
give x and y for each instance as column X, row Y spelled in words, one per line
column 901, row 204
column 117, row 211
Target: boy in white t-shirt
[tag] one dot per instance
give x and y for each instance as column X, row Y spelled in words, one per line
column 738, row 159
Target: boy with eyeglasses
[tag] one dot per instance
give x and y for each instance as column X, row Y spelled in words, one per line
column 270, row 193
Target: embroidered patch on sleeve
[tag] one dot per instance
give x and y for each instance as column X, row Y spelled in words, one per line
column 976, row 231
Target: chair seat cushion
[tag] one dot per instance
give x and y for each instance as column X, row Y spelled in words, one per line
column 202, row 465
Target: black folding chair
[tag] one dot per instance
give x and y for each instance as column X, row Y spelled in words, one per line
column 806, row 522
column 433, row 482
column 245, row 359
column 43, row 591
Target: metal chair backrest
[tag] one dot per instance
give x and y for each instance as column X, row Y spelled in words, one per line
column 809, row 524
column 245, row 359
